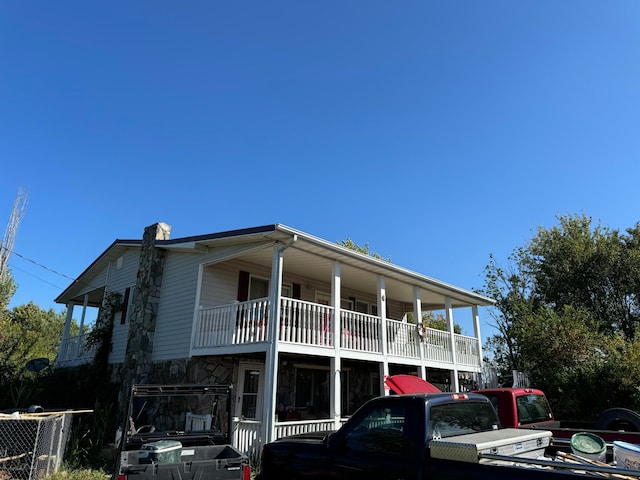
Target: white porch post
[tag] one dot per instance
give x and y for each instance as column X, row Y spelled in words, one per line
column 271, row 358
column 382, row 308
column 64, row 343
column 67, row 321
column 336, row 362
column 476, row 331
column 80, row 343
column 455, row 385
column 417, row 313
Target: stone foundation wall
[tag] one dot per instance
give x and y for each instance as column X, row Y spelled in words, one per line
column 202, row 370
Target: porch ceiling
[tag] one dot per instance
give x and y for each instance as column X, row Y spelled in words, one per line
column 315, row 262
column 306, row 256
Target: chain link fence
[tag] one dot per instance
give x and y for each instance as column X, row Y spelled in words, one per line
column 32, row 445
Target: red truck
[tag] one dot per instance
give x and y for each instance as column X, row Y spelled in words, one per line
column 529, row 408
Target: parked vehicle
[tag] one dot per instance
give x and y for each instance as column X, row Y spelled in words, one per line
column 179, row 431
column 529, row 408
column 423, row 436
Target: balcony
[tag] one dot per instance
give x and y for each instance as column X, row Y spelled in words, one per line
column 242, row 325
column 307, row 327
column 73, row 351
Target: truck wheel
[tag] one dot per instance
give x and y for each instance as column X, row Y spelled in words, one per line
column 619, row 419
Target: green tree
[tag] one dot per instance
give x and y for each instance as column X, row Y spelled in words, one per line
column 7, row 289
column 567, row 312
column 26, row 332
column 577, row 263
column 435, row 321
column 351, row 245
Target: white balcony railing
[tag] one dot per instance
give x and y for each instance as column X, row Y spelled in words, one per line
column 235, row 324
column 360, row 331
column 402, row 339
column 73, row 351
column 437, row 345
column 467, row 350
column 307, row 323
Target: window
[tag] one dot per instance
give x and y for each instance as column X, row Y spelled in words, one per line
column 250, row 391
column 258, row 288
column 127, row 301
column 346, row 304
column 494, row 401
column 462, row 417
column 374, row 384
column 313, row 391
column 533, row 408
column 325, row 299
column 362, row 307
column 390, row 430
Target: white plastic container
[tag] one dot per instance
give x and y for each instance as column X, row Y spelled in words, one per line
column 626, row 455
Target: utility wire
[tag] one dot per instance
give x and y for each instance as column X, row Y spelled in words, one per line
column 74, row 280
column 13, row 267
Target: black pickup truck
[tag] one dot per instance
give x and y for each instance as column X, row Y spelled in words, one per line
column 179, row 432
column 432, row 436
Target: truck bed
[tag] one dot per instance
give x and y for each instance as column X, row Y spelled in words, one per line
column 197, row 462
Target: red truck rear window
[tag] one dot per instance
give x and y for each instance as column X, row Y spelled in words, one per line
column 460, row 418
column 533, row 408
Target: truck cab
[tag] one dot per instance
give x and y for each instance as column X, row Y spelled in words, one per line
column 387, row 438
column 520, row 407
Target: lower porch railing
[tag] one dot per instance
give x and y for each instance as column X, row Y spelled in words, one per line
column 247, row 434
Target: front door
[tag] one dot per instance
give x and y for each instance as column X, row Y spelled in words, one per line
column 250, row 391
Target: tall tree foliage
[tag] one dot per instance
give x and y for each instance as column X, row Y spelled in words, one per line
column 351, row 245
column 567, row 312
column 26, row 332
column 7, row 289
column 575, row 263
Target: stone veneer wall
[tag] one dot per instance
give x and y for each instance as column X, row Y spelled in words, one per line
column 200, row 370
column 144, row 313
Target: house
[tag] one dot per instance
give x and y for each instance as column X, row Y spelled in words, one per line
column 201, row 309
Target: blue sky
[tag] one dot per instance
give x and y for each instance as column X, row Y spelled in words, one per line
column 437, row 131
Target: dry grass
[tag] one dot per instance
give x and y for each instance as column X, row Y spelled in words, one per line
column 64, row 474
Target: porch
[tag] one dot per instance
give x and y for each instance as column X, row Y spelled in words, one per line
column 307, row 327
column 247, row 434
column 74, row 351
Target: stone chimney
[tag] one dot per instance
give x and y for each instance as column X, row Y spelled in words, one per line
column 144, row 311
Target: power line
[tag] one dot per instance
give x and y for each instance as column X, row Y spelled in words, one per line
column 35, row 276
column 74, row 280
column 13, row 252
